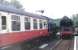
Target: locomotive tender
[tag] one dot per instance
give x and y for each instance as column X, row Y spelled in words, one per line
column 17, row 25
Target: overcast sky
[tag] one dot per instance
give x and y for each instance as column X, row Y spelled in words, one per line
column 53, row 8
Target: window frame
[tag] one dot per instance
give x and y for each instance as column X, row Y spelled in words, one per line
column 35, row 22
column 18, row 20
column 46, row 25
column 28, row 20
column 41, row 22
column 3, row 24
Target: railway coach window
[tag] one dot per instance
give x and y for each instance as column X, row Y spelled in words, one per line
column 3, row 22
column 45, row 24
column 34, row 23
column 40, row 24
column 15, row 23
column 27, row 23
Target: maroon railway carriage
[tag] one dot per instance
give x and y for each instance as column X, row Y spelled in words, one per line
column 66, row 27
column 18, row 26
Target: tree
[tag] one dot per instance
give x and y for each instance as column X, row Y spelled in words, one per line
column 4, row 2
column 1, row 1
column 75, row 19
column 16, row 4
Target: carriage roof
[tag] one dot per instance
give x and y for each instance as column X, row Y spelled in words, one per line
column 10, row 9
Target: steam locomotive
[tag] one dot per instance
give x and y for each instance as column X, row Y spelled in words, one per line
column 66, row 27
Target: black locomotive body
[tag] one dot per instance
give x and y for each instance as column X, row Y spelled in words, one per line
column 66, row 27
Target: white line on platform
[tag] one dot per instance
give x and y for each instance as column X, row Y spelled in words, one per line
column 75, row 43
column 56, row 44
column 43, row 46
column 5, row 47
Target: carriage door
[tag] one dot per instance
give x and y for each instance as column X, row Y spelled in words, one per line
column 3, row 23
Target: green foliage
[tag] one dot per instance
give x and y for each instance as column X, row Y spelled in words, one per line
column 4, row 2
column 76, row 23
column 57, row 21
column 16, row 4
column 13, row 3
column 75, row 19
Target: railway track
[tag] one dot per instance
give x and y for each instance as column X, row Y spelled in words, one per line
column 64, row 45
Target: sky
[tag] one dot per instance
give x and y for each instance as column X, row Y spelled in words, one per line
column 53, row 8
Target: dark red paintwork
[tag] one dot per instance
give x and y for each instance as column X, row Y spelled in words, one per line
column 16, row 37
column 66, row 33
